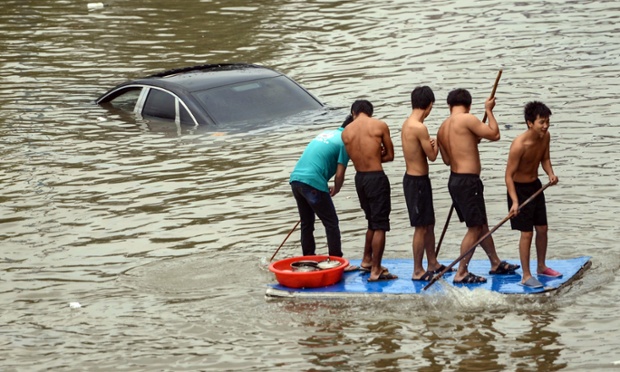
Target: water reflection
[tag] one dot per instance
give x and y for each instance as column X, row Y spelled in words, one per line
column 540, row 347
column 422, row 335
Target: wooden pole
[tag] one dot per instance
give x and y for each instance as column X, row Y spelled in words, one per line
column 499, row 75
column 289, row 234
column 471, row 250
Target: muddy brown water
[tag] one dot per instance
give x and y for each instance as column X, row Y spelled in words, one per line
column 162, row 234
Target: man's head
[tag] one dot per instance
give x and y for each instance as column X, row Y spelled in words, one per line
column 459, row 97
column 535, row 110
column 361, row 106
column 422, row 98
column 348, row 120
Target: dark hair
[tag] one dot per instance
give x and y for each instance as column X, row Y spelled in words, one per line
column 422, row 97
column 459, row 97
column 535, row 109
column 348, row 120
column 362, row 106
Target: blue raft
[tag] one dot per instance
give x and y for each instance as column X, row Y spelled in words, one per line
column 356, row 283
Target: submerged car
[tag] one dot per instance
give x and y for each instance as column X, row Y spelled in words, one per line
column 215, row 94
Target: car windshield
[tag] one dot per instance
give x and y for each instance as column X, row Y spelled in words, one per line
column 256, row 101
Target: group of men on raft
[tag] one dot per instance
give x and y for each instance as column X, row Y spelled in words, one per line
column 366, row 141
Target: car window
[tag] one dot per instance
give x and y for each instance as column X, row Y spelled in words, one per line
column 185, row 116
column 127, row 99
column 260, row 100
column 159, row 104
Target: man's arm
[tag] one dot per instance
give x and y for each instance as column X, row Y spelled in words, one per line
column 514, row 156
column 429, row 145
column 388, row 146
column 491, row 131
column 546, row 162
column 338, row 180
column 442, row 145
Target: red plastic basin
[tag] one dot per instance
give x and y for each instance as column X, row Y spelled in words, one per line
column 311, row 279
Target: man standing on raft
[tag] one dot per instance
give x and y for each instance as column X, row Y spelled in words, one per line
column 418, row 149
column 368, row 144
column 458, row 138
column 527, row 152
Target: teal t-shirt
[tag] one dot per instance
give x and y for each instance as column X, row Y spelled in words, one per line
column 319, row 161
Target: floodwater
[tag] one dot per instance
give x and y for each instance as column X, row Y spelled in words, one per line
column 162, row 234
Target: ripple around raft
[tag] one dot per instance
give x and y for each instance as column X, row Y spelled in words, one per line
column 191, row 275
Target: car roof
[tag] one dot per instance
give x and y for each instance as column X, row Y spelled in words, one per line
column 191, row 85
column 203, row 77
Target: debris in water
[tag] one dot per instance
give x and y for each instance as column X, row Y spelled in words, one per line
column 93, row 6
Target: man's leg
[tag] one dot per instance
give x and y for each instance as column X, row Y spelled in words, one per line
column 429, row 244
column 367, row 259
column 489, row 247
column 325, row 210
column 306, row 215
column 525, row 242
column 419, row 243
column 378, row 246
column 472, row 235
column 541, row 247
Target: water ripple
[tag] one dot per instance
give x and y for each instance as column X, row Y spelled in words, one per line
column 157, row 230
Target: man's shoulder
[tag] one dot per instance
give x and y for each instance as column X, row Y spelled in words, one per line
column 352, row 126
column 347, row 133
column 373, row 121
column 465, row 123
column 520, row 137
column 517, row 144
column 466, row 118
column 415, row 127
column 443, row 125
column 378, row 123
column 411, row 123
column 525, row 143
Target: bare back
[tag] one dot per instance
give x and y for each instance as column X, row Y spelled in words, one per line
column 417, row 147
column 458, row 139
column 368, row 143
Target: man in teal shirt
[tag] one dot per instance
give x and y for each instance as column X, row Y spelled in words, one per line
column 323, row 158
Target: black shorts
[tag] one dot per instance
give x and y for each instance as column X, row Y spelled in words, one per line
column 534, row 213
column 419, row 199
column 373, row 190
column 467, row 194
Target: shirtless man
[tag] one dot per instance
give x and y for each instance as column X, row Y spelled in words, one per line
column 458, row 138
column 527, row 152
column 418, row 148
column 368, row 144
